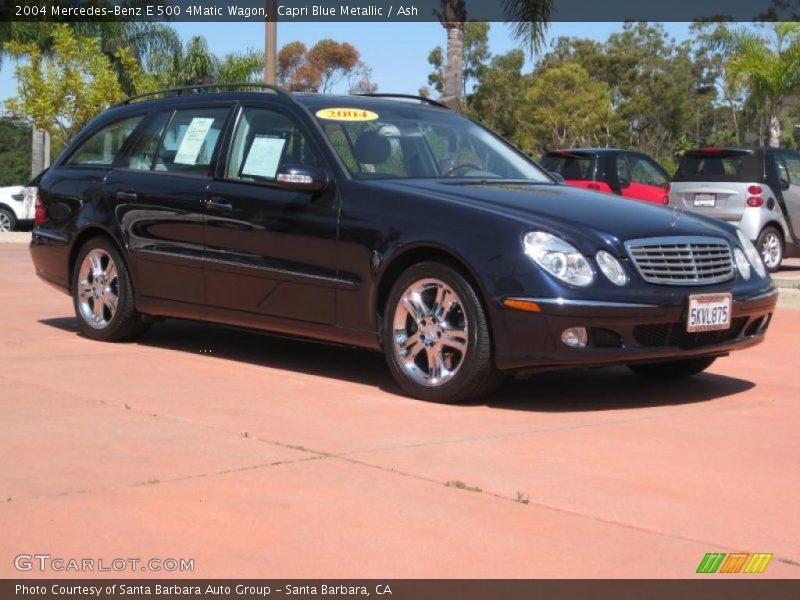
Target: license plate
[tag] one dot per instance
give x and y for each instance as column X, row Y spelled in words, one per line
column 705, row 199
column 709, row 312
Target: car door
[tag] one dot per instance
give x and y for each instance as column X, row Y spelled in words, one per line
column 159, row 191
column 271, row 251
column 790, row 186
column 641, row 178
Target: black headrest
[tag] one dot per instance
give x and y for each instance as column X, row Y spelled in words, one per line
column 371, row 148
column 713, row 167
column 572, row 170
column 267, row 124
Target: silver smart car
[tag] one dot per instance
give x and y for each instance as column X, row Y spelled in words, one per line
column 758, row 189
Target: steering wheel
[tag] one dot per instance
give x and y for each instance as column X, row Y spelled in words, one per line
column 458, row 166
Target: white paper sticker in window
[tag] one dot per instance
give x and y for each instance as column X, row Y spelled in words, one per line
column 193, row 140
column 263, row 158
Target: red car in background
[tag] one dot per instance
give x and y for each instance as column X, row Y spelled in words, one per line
column 623, row 172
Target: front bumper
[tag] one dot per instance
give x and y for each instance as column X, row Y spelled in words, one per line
column 623, row 333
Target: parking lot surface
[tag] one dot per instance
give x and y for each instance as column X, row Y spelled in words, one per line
column 265, row 457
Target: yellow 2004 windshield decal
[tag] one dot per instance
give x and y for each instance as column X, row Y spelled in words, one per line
column 347, row 114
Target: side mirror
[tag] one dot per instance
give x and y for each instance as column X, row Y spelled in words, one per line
column 623, row 183
column 784, row 184
column 557, row 176
column 301, row 178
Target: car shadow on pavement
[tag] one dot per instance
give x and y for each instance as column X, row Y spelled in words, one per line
column 563, row 391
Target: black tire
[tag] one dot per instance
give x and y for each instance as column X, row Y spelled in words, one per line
column 8, row 220
column 772, row 237
column 477, row 374
column 674, row 369
column 126, row 323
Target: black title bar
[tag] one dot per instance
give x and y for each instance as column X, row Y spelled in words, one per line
column 702, row 588
column 396, row 11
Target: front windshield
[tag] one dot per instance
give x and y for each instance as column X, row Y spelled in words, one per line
column 406, row 141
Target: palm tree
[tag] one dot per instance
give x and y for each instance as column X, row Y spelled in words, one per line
column 528, row 19
column 766, row 65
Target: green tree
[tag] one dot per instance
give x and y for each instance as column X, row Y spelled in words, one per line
column 15, row 137
column 564, row 108
column 120, row 42
column 60, row 93
column 658, row 89
column 499, row 92
column 767, row 64
column 195, row 64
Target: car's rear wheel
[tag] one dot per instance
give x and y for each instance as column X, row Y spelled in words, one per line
column 770, row 246
column 102, row 294
column 436, row 336
column 674, row 369
column 8, row 221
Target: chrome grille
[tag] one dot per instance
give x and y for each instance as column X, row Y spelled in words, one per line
column 682, row 260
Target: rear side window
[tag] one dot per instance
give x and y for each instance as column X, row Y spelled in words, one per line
column 189, row 142
column 644, row 171
column 103, row 146
column 719, row 166
column 570, row 166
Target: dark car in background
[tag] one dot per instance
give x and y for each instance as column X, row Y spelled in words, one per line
column 757, row 189
column 386, row 223
column 622, row 172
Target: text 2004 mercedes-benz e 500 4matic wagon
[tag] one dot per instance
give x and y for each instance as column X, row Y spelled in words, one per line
column 388, row 223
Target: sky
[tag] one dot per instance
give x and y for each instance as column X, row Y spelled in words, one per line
column 397, row 52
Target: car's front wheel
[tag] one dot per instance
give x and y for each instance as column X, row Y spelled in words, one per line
column 102, row 294
column 8, row 222
column 770, row 246
column 436, row 336
column 674, row 369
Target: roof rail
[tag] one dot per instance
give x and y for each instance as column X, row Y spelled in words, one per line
column 179, row 91
column 408, row 97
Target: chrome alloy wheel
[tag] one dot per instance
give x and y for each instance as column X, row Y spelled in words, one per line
column 771, row 251
column 98, row 288
column 430, row 332
column 5, row 222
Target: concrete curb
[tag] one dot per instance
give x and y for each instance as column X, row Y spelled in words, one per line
column 15, row 237
column 786, row 283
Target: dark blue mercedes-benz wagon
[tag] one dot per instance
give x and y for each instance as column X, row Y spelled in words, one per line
column 386, row 222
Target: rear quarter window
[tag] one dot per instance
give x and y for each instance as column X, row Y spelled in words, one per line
column 102, row 147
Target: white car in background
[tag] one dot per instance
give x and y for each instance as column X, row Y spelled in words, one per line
column 18, row 205
column 14, row 210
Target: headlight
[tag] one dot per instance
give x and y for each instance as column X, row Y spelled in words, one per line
column 741, row 263
column 611, row 268
column 752, row 254
column 559, row 258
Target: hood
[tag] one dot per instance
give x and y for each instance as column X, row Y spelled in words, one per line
column 568, row 211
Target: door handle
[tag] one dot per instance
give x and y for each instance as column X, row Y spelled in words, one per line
column 219, row 205
column 128, row 196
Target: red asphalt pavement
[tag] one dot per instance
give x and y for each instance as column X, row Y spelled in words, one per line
column 265, row 457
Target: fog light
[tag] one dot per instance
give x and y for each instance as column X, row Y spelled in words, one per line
column 575, row 337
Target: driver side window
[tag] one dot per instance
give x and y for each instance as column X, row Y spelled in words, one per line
column 791, row 171
column 264, row 142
